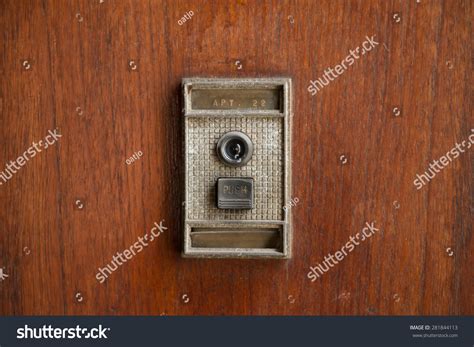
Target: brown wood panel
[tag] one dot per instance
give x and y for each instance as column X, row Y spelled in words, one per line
column 107, row 74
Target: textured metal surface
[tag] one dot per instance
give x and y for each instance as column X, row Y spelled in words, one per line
column 204, row 167
column 269, row 166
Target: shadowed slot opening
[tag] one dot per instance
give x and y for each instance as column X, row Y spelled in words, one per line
column 256, row 238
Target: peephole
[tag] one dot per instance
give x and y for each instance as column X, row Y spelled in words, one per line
column 235, row 148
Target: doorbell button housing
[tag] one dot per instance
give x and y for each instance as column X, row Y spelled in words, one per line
column 234, row 193
column 235, row 148
column 237, row 163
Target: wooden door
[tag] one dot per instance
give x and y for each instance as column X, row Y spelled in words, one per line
column 106, row 74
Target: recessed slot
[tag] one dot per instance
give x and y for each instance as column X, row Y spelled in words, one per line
column 237, row 99
column 254, row 238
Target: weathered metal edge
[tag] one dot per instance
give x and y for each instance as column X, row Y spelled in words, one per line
column 188, row 251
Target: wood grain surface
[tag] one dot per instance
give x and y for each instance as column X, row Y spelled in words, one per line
column 106, row 74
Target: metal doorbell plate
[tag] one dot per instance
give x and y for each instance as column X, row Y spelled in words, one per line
column 237, row 135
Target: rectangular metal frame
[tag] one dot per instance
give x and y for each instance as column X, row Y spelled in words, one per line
column 286, row 113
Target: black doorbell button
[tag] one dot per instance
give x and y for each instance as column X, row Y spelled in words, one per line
column 235, row 148
column 234, row 193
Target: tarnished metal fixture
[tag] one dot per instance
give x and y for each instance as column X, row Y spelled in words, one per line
column 237, row 135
